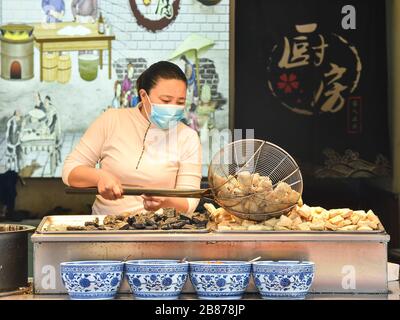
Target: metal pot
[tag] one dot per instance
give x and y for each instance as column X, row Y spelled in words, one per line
column 14, row 256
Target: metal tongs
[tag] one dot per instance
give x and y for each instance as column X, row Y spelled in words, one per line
column 129, row 191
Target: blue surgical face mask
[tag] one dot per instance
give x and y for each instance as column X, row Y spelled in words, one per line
column 166, row 116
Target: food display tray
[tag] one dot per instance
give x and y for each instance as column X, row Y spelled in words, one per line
column 297, row 232
column 79, row 220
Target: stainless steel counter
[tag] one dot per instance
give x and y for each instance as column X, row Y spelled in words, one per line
column 393, row 294
column 345, row 263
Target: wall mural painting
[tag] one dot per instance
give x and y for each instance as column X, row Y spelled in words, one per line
column 64, row 62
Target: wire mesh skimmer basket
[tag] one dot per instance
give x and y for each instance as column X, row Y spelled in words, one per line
column 255, row 179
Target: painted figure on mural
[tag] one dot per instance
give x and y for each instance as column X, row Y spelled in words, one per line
column 193, row 91
column 51, row 116
column 192, row 120
column 125, row 99
column 35, row 120
column 84, row 11
column 54, row 10
column 35, row 123
column 128, row 85
column 134, row 98
column 116, row 101
column 38, row 102
column 54, row 125
column 13, row 139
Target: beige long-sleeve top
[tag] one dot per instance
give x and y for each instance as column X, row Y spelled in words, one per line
column 171, row 158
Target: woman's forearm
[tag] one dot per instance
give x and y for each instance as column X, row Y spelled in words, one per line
column 84, row 176
column 180, row 204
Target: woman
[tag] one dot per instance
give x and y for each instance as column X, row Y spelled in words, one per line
column 146, row 146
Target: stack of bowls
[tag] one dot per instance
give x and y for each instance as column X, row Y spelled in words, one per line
column 222, row 280
column 156, row 279
column 283, row 279
column 165, row 279
column 92, row 280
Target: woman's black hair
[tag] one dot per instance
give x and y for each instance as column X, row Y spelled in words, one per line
column 159, row 70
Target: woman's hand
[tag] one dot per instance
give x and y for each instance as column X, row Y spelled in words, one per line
column 109, row 186
column 154, row 203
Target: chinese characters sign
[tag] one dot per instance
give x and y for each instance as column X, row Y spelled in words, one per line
column 306, row 74
column 155, row 15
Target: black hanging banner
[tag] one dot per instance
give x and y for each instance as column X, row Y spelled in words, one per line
column 311, row 76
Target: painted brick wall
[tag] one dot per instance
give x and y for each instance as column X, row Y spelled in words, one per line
column 193, row 17
column 133, row 41
column 120, row 67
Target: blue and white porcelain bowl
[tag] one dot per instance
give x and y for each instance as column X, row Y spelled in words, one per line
column 92, row 280
column 156, row 279
column 283, row 279
column 226, row 280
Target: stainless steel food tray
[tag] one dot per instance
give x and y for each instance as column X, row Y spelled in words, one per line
column 79, row 220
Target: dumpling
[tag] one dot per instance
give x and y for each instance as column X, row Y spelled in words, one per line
column 245, row 180
column 266, row 184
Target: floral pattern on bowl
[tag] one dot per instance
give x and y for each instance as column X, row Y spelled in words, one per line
column 220, row 279
column 283, row 279
column 156, row 279
column 92, row 280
